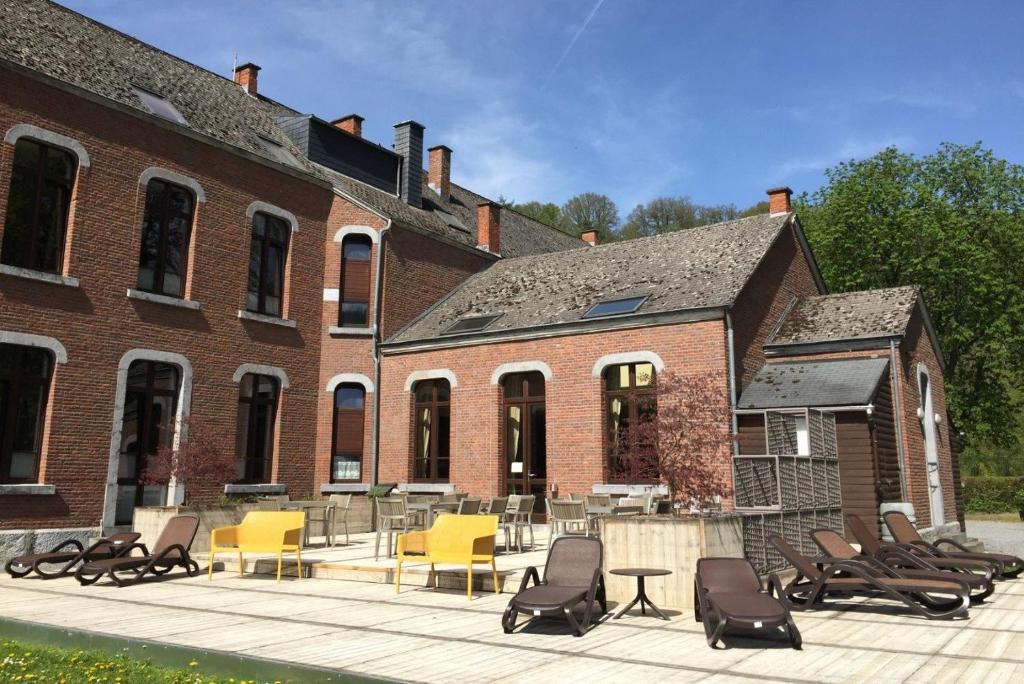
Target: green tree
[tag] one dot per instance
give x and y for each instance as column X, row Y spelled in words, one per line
column 953, row 223
column 547, row 213
column 761, row 207
column 590, row 211
column 668, row 214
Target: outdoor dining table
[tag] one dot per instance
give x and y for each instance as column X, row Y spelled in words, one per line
column 593, row 511
column 433, row 509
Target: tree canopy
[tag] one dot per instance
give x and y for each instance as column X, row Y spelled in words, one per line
column 953, row 223
column 668, row 214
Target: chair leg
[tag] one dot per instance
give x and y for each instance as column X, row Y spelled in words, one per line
column 298, row 562
column 279, row 554
column 494, row 577
column 469, row 581
column 508, row 620
column 398, row 577
column 576, row 629
column 346, row 530
column 241, row 565
column 209, row 572
column 433, row 573
column 376, row 546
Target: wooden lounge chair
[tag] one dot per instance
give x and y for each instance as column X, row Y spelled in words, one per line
column 903, row 531
column 811, row 585
column 728, row 593
column 169, row 551
column 888, row 552
column 572, row 575
column 68, row 555
column 833, row 545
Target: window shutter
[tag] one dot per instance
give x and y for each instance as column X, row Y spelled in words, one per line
column 348, row 432
column 355, row 286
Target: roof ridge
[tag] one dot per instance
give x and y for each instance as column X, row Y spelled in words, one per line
column 519, row 213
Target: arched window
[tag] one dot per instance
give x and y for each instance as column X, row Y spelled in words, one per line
column 349, row 415
column 147, row 426
column 166, row 231
column 24, row 387
column 37, row 206
column 257, row 411
column 354, row 304
column 630, row 406
column 432, row 425
column 267, row 254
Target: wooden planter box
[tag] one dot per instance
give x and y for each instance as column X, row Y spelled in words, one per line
column 662, row 541
column 149, row 521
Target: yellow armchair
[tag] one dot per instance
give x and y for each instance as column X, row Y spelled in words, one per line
column 461, row 539
column 277, row 532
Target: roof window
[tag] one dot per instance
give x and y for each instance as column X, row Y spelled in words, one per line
column 471, row 324
column 159, row 106
column 615, row 307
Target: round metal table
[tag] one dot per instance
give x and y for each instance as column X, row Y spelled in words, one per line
column 641, row 596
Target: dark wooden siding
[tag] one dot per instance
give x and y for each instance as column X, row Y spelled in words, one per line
column 753, row 439
column 886, row 452
column 857, row 467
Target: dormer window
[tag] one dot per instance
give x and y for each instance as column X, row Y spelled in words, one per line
column 159, row 106
column 471, row 324
column 615, row 307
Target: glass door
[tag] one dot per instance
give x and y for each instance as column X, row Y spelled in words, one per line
column 525, row 436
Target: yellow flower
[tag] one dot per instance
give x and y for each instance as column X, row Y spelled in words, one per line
column 193, row 663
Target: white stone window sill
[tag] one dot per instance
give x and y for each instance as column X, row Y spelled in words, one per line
column 27, row 489
column 162, row 299
column 346, row 331
column 263, row 318
column 255, row 489
column 40, row 276
column 344, row 488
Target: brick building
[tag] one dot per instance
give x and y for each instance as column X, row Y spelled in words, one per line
column 180, row 252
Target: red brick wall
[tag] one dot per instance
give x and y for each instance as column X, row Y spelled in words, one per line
column 573, row 401
column 418, row 272
column 782, row 275
column 97, row 323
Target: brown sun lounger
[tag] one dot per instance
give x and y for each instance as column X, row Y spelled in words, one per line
column 922, row 596
column 729, row 594
column 572, row 575
column 903, row 531
column 67, row 555
column 169, row 552
column 833, row 544
column 893, row 551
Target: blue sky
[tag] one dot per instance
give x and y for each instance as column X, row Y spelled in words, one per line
column 545, row 99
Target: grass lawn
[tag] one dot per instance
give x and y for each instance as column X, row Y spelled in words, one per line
column 996, row 517
column 23, row 662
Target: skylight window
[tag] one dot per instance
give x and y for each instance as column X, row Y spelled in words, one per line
column 159, row 106
column 471, row 324
column 615, row 307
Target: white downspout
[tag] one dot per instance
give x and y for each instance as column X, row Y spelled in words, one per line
column 378, row 286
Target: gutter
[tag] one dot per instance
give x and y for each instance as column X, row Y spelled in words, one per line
column 378, row 291
column 732, row 382
column 898, row 417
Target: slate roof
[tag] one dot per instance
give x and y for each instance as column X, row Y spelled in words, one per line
column 67, row 46
column 849, row 382
column 691, row 269
column 847, row 316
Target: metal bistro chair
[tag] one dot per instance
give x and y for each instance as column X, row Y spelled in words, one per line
column 469, row 507
column 597, row 500
column 570, row 516
column 634, row 501
column 520, row 518
column 392, row 515
column 342, row 504
column 318, row 515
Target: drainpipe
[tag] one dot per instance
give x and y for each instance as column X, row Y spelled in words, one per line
column 732, row 382
column 378, row 288
column 898, row 417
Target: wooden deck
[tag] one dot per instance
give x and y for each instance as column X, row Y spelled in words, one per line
column 428, row 635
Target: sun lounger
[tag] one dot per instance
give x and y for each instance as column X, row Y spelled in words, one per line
column 903, row 531
column 169, row 551
column 572, row 575
column 812, row 585
column 68, row 555
column 728, row 593
column 832, row 544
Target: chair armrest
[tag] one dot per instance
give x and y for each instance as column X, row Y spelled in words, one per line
column 227, row 536
column 902, row 558
column 292, row 537
column 77, row 545
column 127, row 551
column 415, row 542
column 952, row 542
column 531, row 572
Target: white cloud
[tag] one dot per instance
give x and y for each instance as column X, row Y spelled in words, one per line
column 851, row 148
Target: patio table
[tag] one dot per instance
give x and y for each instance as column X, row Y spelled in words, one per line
column 641, row 594
column 593, row 511
column 433, row 509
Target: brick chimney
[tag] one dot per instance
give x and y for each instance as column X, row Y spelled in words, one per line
column 353, row 123
column 439, row 173
column 245, row 76
column 778, row 200
column 590, row 236
column 488, row 229
column 409, row 144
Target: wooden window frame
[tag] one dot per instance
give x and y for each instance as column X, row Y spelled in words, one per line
column 334, row 431
column 434, row 405
column 525, row 401
column 254, row 403
column 11, row 386
column 160, row 269
column 266, row 243
column 346, row 270
column 41, row 180
column 632, row 396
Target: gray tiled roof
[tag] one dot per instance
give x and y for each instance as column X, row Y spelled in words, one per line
column 850, row 382
column 64, row 45
column 690, row 269
column 847, row 316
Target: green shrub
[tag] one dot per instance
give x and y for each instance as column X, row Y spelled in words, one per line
column 992, row 494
